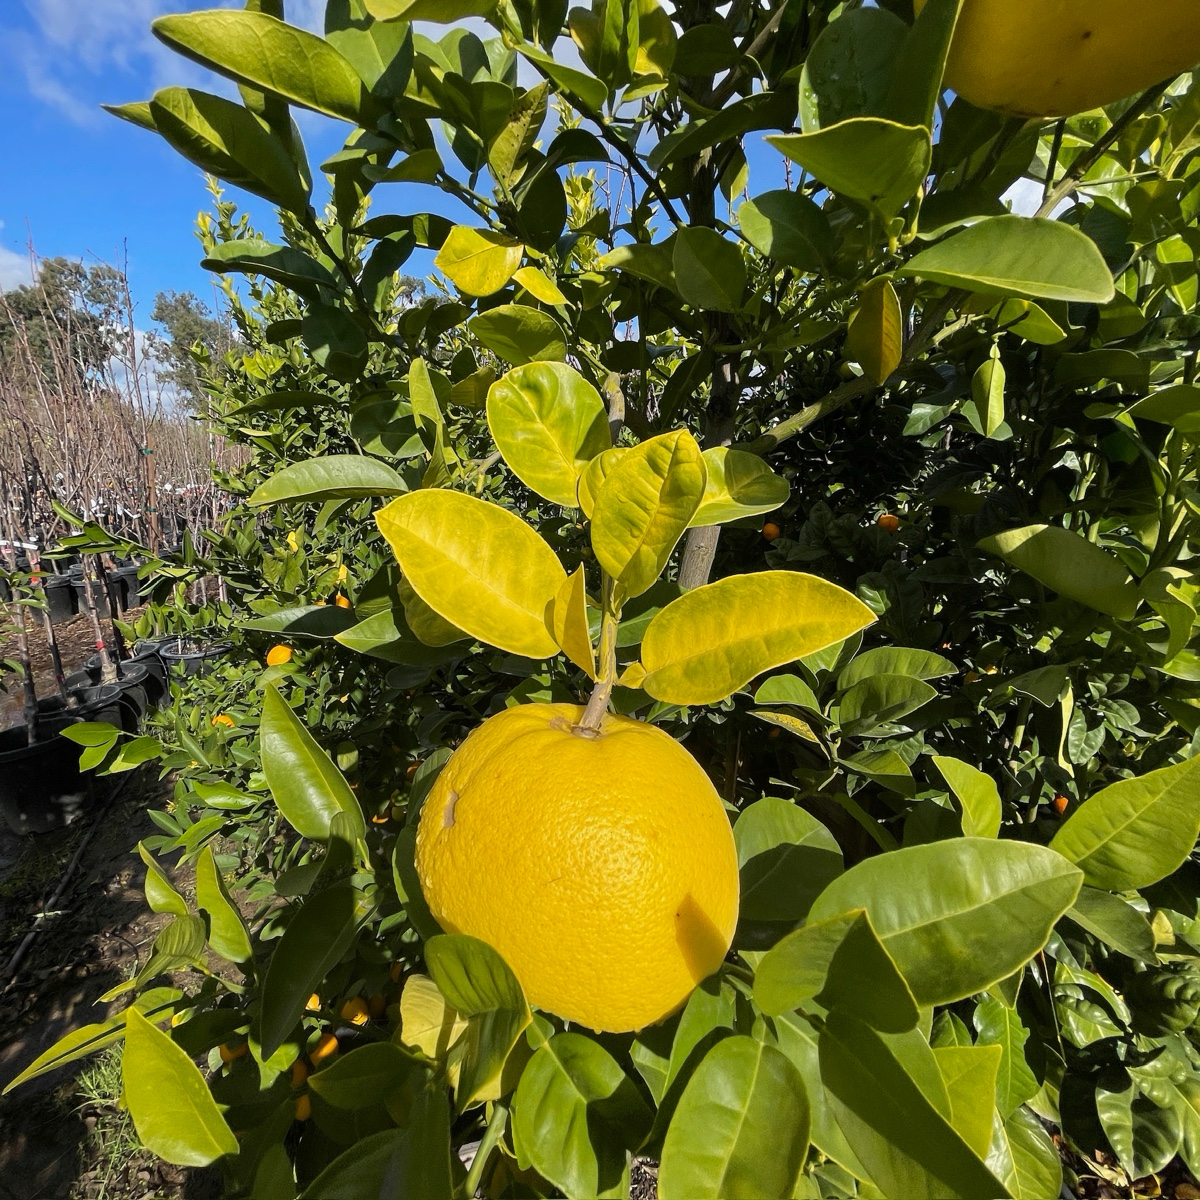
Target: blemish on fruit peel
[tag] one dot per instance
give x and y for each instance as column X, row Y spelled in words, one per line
column 448, row 812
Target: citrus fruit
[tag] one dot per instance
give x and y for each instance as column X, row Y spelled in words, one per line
column 299, row 1073
column 889, row 522
column 326, row 1047
column 1050, row 58
column 229, row 1053
column 355, row 1011
column 223, row 719
column 601, row 866
column 1060, row 804
column 771, row 531
column 303, row 1108
column 342, row 601
column 277, row 656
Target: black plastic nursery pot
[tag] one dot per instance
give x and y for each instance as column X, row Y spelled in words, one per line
column 41, row 786
column 193, row 657
column 136, row 685
column 99, row 594
column 128, row 586
column 60, row 598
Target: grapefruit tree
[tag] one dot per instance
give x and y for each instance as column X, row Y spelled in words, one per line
column 921, row 880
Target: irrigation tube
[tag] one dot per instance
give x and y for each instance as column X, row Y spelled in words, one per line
column 14, row 963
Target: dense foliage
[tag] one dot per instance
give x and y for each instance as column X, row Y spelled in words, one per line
column 965, row 813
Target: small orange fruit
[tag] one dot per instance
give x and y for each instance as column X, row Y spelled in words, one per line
column 299, row 1073
column 396, row 973
column 1060, row 804
column 771, row 531
column 303, row 1108
column 971, row 677
column 277, row 656
column 342, row 601
column 355, row 1011
column 326, row 1047
column 223, row 719
column 314, row 1003
column 889, row 522
column 413, row 768
column 377, row 1006
column 229, row 1053
column 380, row 818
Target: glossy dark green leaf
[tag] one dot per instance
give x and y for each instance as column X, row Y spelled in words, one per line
column 306, row 785
column 336, row 341
column 172, row 1109
column 311, row 946
column 709, row 272
column 916, row 83
column 1115, row 922
column 895, row 660
column 956, row 916
column 999, row 1025
column 881, row 699
column 849, row 68
column 577, row 1116
column 363, row 1077
column 1024, row 1158
column 741, row 1127
column 304, row 621
column 254, row 256
column 788, row 227
column 1144, row 1136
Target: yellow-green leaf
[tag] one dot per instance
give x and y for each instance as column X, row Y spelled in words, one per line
column 714, row 639
column 644, row 507
column 422, row 395
column 172, row 1109
column 227, row 933
column 478, row 566
column 987, row 392
column 549, row 423
column 1069, row 564
column 478, row 262
column 875, row 339
column 429, row 627
column 969, row 1073
column 593, row 477
column 539, row 286
column 570, row 623
column 739, row 485
column 160, row 895
column 427, row 1021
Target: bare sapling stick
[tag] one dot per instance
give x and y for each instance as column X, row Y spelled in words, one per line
column 108, row 670
column 39, row 582
column 18, row 611
column 106, row 568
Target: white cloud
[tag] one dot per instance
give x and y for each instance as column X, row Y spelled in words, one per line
column 15, row 268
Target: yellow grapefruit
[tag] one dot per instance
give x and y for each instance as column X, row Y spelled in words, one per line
column 1050, row 58
column 602, row 868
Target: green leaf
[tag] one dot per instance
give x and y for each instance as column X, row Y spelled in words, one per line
column 1135, row 831
column 336, row 476
column 1177, row 406
column 895, row 660
column 969, row 1073
column 987, row 393
column 909, row 1148
column 916, row 82
column 741, row 1126
column 786, row 858
column 1115, row 922
column 478, row 983
column 714, row 639
column 571, row 80
column 849, row 67
column 1144, row 1136
column 875, row 339
column 386, row 635
column 227, row 933
column 1070, row 564
column 577, row 1116
column 254, row 256
column 520, row 334
column 160, row 895
column 363, row 1077
column 478, row 566
column 172, row 1109
column 363, row 1170
column 386, row 427
column 787, row 689
column 878, row 163
column 259, row 50
column 999, row 1025
column 548, row 422
column 1018, row 256
column 311, row 946
column 788, row 227
column 478, row 262
column 1023, row 1156
column 738, row 485
column 653, row 263
column 408, row 884
column 336, row 341
column 306, row 785
column 977, row 793
column 226, row 140
column 956, row 916
column 445, row 12
column 880, row 699
column 304, row 621
column 709, row 271
column 644, row 506
column 841, row 964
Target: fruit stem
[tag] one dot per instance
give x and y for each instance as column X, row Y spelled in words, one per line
column 491, row 1137
column 606, row 674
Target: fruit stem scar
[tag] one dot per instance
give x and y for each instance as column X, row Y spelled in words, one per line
column 448, row 812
